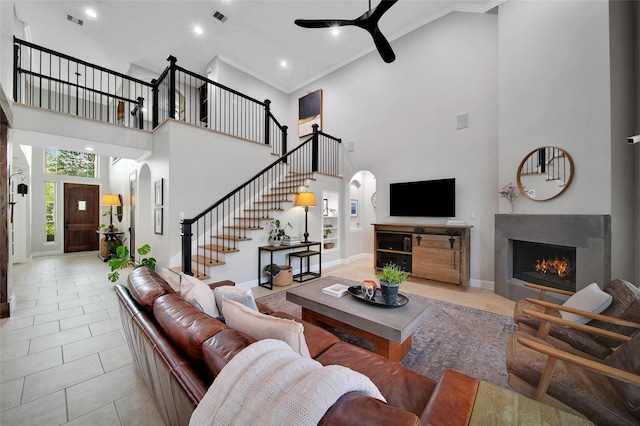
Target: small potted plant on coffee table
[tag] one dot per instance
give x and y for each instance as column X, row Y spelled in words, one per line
column 391, row 276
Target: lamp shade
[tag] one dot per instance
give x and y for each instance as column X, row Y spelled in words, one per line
column 110, row 200
column 306, row 199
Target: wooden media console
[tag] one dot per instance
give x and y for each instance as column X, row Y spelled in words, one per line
column 434, row 252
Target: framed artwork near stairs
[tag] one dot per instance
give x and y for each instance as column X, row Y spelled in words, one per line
column 309, row 112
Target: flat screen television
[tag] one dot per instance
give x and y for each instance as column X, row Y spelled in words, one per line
column 428, row 198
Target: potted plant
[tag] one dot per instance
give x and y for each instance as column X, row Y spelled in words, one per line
column 327, row 232
column 277, row 232
column 123, row 260
column 391, row 276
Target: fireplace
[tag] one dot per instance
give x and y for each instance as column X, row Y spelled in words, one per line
column 585, row 240
column 546, row 264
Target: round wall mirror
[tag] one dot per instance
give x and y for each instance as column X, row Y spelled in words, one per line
column 545, row 173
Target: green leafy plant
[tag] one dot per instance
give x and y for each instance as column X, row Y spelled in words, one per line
column 124, row 261
column 327, row 232
column 277, row 231
column 392, row 274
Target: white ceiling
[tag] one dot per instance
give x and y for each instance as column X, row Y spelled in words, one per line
column 256, row 37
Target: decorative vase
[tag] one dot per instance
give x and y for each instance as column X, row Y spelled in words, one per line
column 276, row 243
column 389, row 292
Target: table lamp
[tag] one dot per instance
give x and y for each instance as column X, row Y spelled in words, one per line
column 306, row 200
column 110, row 200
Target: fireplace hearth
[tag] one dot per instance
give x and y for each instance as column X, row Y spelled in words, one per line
column 586, row 238
column 546, row 264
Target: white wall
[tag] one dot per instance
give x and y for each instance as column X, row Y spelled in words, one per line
column 402, row 119
column 558, row 88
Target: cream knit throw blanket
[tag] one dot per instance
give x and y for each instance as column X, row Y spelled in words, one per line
column 267, row 383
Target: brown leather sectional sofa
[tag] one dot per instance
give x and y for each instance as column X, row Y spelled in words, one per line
column 180, row 350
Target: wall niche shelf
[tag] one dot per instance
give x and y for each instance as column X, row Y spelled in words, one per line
column 434, row 252
column 330, row 221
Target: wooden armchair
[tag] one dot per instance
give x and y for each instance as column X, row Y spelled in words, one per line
column 624, row 309
column 605, row 392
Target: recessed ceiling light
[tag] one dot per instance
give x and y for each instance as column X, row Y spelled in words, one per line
column 335, row 31
column 91, row 13
column 88, row 148
column 197, row 30
column 283, row 64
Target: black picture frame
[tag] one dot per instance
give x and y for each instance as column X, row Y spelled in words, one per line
column 157, row 221
column 159, row 192
column 309, row 113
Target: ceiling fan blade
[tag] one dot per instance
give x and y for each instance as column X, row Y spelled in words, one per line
column 321, row 23
column 381, row 9
column 384, row 48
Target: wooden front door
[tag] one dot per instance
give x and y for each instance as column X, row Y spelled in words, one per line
column 81, row 217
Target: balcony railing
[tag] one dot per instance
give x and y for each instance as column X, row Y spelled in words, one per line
column 59, row 82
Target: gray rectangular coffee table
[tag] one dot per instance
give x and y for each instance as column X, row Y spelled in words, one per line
column 390, row 329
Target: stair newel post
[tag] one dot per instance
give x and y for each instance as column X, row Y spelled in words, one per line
column 16, row 65
column 140, row 106
column 172, row 86
column 186, row 234
column 284, row 142
column 314, row 149
column 154, row 103
column 267, row 121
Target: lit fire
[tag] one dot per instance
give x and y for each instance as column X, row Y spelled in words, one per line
column 559, row 267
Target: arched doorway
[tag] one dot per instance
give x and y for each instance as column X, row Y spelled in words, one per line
column 361, row 212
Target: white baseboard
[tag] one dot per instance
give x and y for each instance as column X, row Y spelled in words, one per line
column 487, row 285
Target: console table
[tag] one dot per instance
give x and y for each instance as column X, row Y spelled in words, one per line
column 296, row 252
column 108, row 236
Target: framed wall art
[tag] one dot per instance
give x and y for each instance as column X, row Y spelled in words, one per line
column 353, row 208
column 158, row 191
column 157, row 221
column 309, row 112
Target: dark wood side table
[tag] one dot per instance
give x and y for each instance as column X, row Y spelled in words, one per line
column 109, row 236
column 272, row 249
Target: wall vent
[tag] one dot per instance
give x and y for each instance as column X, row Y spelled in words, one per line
column 75, row 20
column 219, row 16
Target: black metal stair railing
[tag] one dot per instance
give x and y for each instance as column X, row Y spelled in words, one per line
column 52, row 80
column 218, row 230
column 206, row 103
column 59, row 82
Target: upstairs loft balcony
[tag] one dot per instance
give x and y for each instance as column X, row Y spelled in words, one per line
column 57, row 82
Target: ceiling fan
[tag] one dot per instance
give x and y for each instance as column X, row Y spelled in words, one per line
column 368, row 21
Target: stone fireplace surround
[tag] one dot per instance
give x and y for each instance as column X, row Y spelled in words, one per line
column 589, row 234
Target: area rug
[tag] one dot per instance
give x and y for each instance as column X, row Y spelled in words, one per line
column 468, row 340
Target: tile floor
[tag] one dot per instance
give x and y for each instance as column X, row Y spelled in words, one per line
column 63, row 356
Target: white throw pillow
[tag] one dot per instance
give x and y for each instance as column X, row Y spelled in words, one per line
column 198, row 294
column 590, row 299
column 237, row 294
column 261, row 326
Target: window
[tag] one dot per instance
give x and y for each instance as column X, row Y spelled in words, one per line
column 70, row 163
column 50, row 209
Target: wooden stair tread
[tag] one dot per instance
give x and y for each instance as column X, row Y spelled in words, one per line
column 196, row 274
column 263, row 209
column 273, row 201
column 204, row 260
column 218, row 248
column 294, row 186
column 278, row 194
column 230, row 237
column 245, row 228
column 253, row 218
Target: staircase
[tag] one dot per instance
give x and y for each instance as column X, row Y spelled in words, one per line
column 276, row 199
column 219, row 230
